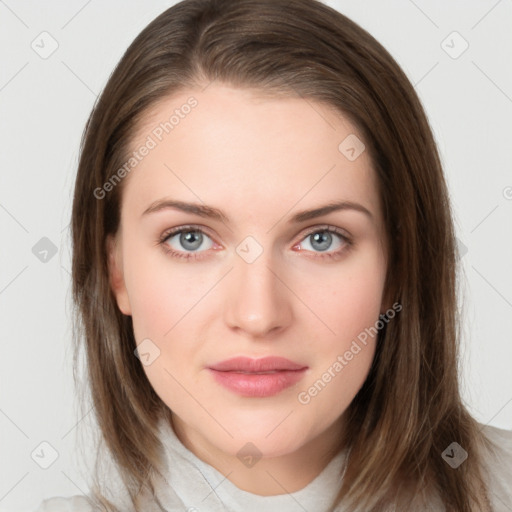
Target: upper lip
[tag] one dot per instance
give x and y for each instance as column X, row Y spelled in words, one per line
column 249, row 365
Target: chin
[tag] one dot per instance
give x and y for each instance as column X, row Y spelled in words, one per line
column 270, row 438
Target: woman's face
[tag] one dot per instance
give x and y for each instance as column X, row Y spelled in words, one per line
column 249, row 276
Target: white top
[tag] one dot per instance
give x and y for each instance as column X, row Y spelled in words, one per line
column 192, row 485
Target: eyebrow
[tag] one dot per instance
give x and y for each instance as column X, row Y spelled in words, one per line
column 216, row 214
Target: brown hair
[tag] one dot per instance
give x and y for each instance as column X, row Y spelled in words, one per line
column 409, row 410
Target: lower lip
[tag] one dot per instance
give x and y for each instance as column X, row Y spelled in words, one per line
column 258, row 385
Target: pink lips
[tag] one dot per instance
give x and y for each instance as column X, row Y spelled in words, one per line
column 257, row 377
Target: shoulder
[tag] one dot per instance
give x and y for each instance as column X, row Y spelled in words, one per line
column 499, row 465
column 71, row 504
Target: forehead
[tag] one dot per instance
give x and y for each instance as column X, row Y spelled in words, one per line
column 228, row 146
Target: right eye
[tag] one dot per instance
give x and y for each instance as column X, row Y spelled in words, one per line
column 187, row 240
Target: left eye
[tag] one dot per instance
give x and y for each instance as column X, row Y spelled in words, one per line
column 322, row 240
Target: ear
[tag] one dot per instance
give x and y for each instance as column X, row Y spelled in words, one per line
column 116, row 277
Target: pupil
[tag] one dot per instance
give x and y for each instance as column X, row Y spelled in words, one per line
column 191, row 237
column 322, row 238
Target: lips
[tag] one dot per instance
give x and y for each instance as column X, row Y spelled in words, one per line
column 264, row 365
column 257, row 378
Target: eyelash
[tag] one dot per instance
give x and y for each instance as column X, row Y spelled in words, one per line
column 194, row 255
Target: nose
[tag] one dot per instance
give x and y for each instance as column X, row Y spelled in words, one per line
column 257, row 300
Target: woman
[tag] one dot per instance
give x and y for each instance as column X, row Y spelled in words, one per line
column 301, row 352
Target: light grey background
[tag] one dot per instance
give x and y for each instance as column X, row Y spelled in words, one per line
column 44, row 106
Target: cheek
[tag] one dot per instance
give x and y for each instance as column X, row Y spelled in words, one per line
column 346, row 298
column 162, row 293
column 166, row 305
column 330, row 392
column 349, row 303
column 343, row 359
column 152, row 308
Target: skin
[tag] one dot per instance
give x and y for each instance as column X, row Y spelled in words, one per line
column 260, row 160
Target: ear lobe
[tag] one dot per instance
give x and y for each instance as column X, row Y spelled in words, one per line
column 116, row 278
